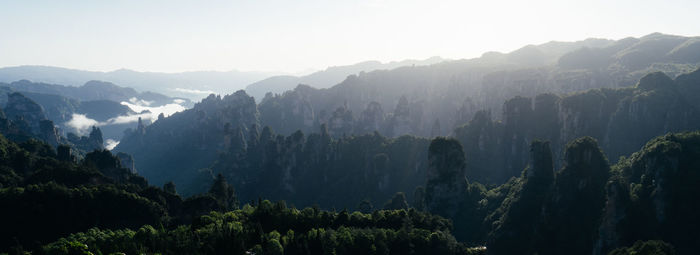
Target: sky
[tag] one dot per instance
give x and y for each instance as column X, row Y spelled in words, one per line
column 301, row 35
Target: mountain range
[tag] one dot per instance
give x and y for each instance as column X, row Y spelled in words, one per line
column 328, row 77
column 198, row 84
column 75, row 109
column 434, row 99
column 191, row 85
column 586, row 147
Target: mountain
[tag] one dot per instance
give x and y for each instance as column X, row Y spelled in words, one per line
column 223, row 135
column 92, row 90
column 327, row 78
column 219, row 134
column 434, row 99
column 97, row 205
column 621, row 119
column 190, row 85
column 588, row 147
column 97, row 103
column 188, row 140
column 644, row 197
column 23, row 120
column 60, row 109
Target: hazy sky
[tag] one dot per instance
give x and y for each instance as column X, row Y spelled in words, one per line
column 296, row 35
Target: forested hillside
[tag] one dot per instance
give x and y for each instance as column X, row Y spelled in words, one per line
column 647, row 196
column 175, row 148
column 621, row 119
column 223, row 136
column 569, row 145
column 118, row 211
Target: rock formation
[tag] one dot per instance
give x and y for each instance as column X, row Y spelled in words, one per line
column 20, row 107
column 446, row 183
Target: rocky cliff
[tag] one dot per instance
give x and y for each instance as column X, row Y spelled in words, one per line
column 453, row 91
column 622, row 119
column 19, row 107
column 446, row 182
column 174, row 148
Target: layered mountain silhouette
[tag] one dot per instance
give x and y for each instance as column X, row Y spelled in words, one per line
column 191, row 85
column 328, row 77
column 588, row 147
column 417, row 100
column 100, row 103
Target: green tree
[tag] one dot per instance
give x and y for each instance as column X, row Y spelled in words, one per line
column 223, row 192
column 397, row 202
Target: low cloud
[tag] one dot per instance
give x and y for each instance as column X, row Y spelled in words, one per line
column 147, row 112
column 81, row 124
column 194, row 91
column 124, row 119
column 141, row 102
column 110, row 144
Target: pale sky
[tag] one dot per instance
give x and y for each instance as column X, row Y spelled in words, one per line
column 296, row 35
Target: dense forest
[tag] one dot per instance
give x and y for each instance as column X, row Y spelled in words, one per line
column 621, row 119
column 96, row 195
column 648, row 196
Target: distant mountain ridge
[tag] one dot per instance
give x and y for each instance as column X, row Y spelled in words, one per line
column 433, row 100
column 92, row 90
column 543, row 54
column 101, row 103
column 22, row 119
column 191, row 85
column 328, row 77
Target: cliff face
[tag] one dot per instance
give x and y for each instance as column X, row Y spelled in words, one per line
column 446, row 183
column 548, row 212
column 318, row 169
column 127, row 161
column 453, row 91
column 514, row 230
column 291, row 111
column 589, row 207
column 341, row 122
column 190, row 140
column 518, row 115
column 85, row 144
column 661, row 180
column 20, row 107
column 657, row 106
column 420, row 102
column 27, row 120
column 400, row 123
column 576, row 201
column 621, row 119
column 372, row 119
column 49, row 133
column 609, row 234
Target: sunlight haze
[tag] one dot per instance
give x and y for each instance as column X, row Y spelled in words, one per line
column 295, row 36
